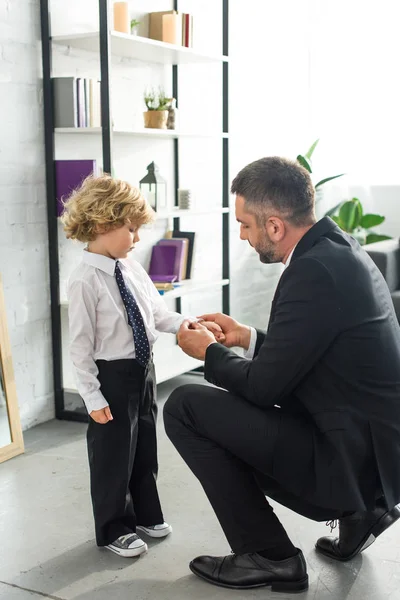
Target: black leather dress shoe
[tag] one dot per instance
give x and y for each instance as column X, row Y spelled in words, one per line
column 357, row 532
column 245, row 571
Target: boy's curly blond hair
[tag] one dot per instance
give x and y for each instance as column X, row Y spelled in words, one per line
column 101, row 204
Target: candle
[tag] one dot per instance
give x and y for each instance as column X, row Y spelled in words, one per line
column 121, row 17
column 172, row 29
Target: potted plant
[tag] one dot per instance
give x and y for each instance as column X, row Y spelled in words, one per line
column 134, row 26
column 157, row 105
column 349, row 215
column 305, row 161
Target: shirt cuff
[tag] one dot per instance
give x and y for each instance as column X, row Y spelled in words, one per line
column 249, row 353
column 95, row 401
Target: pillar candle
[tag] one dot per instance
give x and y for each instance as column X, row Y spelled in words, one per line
column 172, row 29
column 121, row 17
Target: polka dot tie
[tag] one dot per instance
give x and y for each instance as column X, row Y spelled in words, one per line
column 135, row 319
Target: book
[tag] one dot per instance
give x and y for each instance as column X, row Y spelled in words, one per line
column 162, row 263
column 69, row 175
column 80, row 94
column 181, row 246
column 190, row 236
column 155, row 24
column 65, row 102
column 95, row 104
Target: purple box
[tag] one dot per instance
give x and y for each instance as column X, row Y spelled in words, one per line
column 69, row 175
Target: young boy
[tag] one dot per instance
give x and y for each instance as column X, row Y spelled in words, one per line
column 114, row 315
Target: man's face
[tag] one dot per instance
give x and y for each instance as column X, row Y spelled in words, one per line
column 257, row 235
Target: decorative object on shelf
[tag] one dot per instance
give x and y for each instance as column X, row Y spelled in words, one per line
column 172, row 29
column 157, row 104
column 349, row 216
column 184, row 199
column 69, row 175
column 134, row 26
column 172, row 114
column 154, row 188
column 121, row 17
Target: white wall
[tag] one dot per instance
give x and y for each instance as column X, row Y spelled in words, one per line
column 23, row 230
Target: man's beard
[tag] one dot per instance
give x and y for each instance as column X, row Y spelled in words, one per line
column 267, row 253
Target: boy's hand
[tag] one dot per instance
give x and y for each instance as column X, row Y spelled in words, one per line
column 235, row 333
column 102, row 416
column 215, row 330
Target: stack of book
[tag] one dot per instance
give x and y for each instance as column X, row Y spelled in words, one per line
column 172, row 259
column 76, row 102
column 185, row 36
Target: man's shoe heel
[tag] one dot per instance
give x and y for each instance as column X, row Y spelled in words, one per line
column 387, row 520
column 290, row 586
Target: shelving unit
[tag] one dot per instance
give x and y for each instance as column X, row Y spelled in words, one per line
column 107, row 43
column 139, row 48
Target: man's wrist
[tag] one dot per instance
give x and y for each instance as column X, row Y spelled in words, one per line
column 245, row 337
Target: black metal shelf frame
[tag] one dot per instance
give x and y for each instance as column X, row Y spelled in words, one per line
column 107, row 139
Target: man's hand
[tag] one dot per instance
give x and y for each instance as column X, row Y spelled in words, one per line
column 102, row 416
column 215, row 330
column 194, row 339
column 235, row 333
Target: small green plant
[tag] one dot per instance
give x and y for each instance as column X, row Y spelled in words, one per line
column 305, row 161
column 156, row 100
column 134, row 23
column 349, row 215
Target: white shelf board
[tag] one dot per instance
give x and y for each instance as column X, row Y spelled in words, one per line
column 151, row 133
column 188, row 286
column 177, row 213
column 139, row 48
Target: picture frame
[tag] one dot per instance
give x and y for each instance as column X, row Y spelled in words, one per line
column 8, row 388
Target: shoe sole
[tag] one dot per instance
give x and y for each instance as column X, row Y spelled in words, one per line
column 128, row 553
column 158, row 533
column 384, row 523
column 293, row 587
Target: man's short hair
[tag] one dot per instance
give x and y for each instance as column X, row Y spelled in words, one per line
column 277, row 185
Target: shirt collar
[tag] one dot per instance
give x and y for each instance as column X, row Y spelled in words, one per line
column 289, row 258
column 99, row 262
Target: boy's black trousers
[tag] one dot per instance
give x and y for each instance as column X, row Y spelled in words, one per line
column 123, row 452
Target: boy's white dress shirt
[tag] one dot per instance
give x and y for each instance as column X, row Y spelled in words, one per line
column 98, row 322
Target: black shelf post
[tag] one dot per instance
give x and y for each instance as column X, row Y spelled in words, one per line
column 51, row 208
column 225, row 157
column 106, row 132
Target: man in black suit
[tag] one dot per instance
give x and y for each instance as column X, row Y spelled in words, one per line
column 311, row 416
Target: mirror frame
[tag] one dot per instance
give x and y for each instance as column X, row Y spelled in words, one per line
column 17, row 444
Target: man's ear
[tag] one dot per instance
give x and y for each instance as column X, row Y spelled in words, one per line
column 276, row 228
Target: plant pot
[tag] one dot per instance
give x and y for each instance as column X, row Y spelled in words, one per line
column 155, row 119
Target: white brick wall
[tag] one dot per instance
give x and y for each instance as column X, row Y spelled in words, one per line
column 23, row 230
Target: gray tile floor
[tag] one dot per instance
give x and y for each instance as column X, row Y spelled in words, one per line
column 48, row 548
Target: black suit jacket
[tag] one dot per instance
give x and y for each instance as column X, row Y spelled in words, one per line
column 331, row 355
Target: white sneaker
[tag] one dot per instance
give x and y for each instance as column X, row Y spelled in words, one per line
column 156, row 531
column 128, row 545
